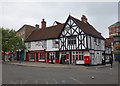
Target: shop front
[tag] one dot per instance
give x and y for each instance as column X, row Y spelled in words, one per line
column 36, row 56
column 52, row 57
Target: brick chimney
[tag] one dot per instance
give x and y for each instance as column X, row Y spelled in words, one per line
column 84, row 19
column 37, row 26
column 43, row 24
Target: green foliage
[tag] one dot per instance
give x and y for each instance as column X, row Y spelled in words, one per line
column 10, row 42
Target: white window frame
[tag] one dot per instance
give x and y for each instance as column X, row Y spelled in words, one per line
column 29, row 44
column 53, row 43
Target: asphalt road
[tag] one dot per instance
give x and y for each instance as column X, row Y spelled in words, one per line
column 13, row 74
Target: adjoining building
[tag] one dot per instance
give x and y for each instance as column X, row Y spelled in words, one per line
column 108, row 49
column 114, row 33
column 72, row 42
column 23, row 33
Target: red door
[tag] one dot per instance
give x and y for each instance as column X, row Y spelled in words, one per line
column 86, row 59
column 47, row 58
column 27, row 56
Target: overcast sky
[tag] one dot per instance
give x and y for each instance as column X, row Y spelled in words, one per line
column 99, row 14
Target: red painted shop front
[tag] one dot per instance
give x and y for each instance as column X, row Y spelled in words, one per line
column 36, row 56
column 52, row 57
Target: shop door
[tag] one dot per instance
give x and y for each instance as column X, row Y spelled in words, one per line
column 36, row 57
column 52, row 58
column 27, row 56
column 47, row 60
column 57, row 57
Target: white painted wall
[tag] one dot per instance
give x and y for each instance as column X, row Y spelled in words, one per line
column 35, row 45
column 100, row 46
column 38, row 45
column 50, row 46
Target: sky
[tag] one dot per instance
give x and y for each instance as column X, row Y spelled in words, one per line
column 15, row 14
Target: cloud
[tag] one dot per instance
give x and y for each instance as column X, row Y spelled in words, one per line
column 16, row 14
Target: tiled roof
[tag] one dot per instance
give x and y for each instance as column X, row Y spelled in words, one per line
column 87, row 28
column 46, row 33
column 108, row 42
column 54, row 31
column 26, row 26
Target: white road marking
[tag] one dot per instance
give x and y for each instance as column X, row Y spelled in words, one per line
column 76, row 80
column 46, row 81
column 55, row 81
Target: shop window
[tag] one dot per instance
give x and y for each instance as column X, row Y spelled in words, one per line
column 75, row 55
column 41, row 55
column 32, row 55
column 81, row 57
column 57, row 55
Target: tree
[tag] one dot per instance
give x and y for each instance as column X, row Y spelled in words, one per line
column 10, row 42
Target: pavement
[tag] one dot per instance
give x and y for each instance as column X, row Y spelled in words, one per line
column 48, row 65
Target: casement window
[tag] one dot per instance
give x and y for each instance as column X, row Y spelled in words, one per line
column 117, row 29
column 23, row 32
column 97, row 41
column 41, row 55
column 117, row 48
column 72, row 41
column 81, row 57
column 53, row 43
column 29, row 44
column 44, row 44
column 32, row 55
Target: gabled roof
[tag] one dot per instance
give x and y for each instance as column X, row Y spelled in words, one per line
column 55, row 31
column 46, row 33
column 108, row 42
column 26, row 26
column 87, row 28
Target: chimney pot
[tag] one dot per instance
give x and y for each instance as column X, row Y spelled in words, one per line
column 37, row 26
column 84, row 19
column 43, row 24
